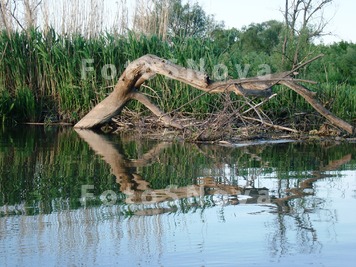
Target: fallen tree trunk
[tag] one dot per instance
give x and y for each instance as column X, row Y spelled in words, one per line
column 148, row 66
column 318, row 107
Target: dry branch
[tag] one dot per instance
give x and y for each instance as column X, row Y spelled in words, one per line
column 155, row 110
column 148, row 66
column 305, row 93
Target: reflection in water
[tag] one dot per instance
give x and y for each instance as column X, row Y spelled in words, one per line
column 138, row 190
column 134, row 186
column 300, row 220
column 305, row 187
column 153, row 203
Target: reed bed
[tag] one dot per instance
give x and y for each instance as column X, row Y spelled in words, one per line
column 42, row 80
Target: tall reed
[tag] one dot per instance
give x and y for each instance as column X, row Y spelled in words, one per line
column 41, row 75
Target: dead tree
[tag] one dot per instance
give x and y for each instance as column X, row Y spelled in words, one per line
column 304, row 20
column 146, row 67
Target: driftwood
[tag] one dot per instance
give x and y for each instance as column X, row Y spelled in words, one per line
column 146, row 67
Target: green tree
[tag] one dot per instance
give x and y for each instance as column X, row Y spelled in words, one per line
column 261, row 37
column 174, row 19
column 339, row 63
column 225, row 40
column 190, row 20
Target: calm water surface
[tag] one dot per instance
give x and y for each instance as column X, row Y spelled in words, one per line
column 72, row 198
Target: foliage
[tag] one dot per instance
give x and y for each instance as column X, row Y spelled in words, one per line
column 6, row 105
column 190, row 20
column 47, row 76
column 338, row 65
column 42, row 74
column 169, row 19
column 264, row 37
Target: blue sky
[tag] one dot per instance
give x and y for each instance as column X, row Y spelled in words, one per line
column 239, row 13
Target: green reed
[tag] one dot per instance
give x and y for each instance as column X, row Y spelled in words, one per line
column 41, row 75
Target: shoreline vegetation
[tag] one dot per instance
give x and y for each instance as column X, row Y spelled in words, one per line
column 51, row 76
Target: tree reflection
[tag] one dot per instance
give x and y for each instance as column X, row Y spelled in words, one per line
column 293, row 203
column 285, row 184
column 305, row 186
column 294, row 214
column 139, row 191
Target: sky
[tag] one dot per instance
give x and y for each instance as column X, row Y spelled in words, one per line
column 239, row 13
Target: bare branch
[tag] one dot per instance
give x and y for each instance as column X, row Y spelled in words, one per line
column 13, row 14
column 321, row 5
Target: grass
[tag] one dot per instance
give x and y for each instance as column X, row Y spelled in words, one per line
column 41, row 76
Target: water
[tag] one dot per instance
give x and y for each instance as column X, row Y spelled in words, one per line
column 72, row 198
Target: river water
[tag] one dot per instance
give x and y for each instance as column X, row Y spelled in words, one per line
column 78, row 198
